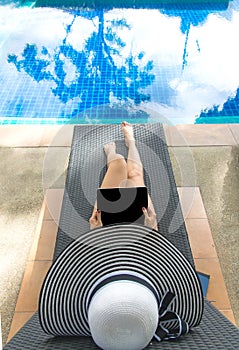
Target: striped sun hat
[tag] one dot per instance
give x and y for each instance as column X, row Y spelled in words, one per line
column 118, row 273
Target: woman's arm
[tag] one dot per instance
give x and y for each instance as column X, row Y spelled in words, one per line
column 150, row 218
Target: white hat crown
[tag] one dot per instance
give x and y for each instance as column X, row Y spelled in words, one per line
column 123, row 315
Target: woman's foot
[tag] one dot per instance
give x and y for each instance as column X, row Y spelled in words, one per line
column 128, row 133
column 112, row 156
column 110, row 148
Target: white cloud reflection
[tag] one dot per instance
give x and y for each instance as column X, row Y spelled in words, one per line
column 209, row 77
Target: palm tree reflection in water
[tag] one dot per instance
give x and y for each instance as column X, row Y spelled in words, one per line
column 97, row 75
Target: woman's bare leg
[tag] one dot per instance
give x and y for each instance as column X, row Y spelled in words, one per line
column 116, row 168
column 116, row 174
column 134, row 164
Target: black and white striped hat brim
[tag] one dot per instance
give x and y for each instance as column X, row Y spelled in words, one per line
column 105, row 252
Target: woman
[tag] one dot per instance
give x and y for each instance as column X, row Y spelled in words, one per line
column 124, row 174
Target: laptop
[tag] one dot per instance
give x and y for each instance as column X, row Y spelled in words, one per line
column 122, row 205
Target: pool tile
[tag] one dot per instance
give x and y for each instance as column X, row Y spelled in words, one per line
column 57, row 136
column 31, row 284
column 45, row 237
column 200, row 238
column 199, row 135
column 47, row 240
column 235, row 131
column 53, row 200
column 34, row 247
column 217, row 292
column 191, row 203
column 18, row 321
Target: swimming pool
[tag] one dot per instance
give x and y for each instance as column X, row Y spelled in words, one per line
column 77, row 65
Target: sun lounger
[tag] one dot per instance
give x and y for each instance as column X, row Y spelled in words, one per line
column 85, row 172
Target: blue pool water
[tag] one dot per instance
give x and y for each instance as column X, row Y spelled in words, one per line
column 68, row 65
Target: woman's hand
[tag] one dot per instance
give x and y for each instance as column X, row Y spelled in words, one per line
column 150, row 218
column 95, row 220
